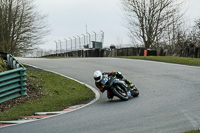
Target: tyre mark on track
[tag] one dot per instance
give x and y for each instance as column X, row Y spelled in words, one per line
column 189, row 115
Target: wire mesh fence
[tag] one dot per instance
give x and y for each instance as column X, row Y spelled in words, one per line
column 84, row 41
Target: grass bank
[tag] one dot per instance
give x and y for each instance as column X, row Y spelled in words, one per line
column 3, row 66
column 167, row 59
column 193, row 131
column 58, row 93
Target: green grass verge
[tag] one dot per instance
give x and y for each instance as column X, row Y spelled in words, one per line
column 167, row 59
column 193, row 131
column 60, row 92
column 3, row 66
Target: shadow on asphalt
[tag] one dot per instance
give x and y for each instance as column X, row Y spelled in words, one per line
column 116, row 100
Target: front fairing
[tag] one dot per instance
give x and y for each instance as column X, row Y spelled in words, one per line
column 120, row 82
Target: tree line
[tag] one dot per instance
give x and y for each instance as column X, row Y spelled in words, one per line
column 159, row 23
column 153, row 23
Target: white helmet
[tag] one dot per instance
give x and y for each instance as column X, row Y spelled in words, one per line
column 97, row 76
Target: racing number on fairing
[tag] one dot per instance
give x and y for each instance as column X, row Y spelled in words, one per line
column 105, row 80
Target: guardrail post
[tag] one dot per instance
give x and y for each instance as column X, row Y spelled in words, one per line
column 14, row 63
column 8, row 59
column 17, row 65
column 22, row 82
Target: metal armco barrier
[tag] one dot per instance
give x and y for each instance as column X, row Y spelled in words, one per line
column 12, row 82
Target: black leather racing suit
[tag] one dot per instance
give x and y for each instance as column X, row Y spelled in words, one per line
column 102, row 87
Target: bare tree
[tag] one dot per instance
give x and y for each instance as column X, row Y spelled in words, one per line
column 149, row 21
column 21, row 26
column 195, row 34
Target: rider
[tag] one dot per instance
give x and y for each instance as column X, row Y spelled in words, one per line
column 98, row 77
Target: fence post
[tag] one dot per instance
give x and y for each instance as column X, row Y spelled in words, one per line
column 145, row 52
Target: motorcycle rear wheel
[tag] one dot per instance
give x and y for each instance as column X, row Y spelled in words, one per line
column 135, row 92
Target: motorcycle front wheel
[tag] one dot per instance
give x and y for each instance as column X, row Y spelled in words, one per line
column 120, row 93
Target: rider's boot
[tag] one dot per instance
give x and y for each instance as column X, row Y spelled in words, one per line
column 129, row 83
column 109, row 95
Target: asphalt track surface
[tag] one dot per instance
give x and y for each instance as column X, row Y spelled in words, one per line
column 169, row 99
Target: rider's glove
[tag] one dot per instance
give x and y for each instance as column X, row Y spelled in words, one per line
column 131, row 86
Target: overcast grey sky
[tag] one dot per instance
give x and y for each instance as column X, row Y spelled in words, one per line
column 68, row 18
